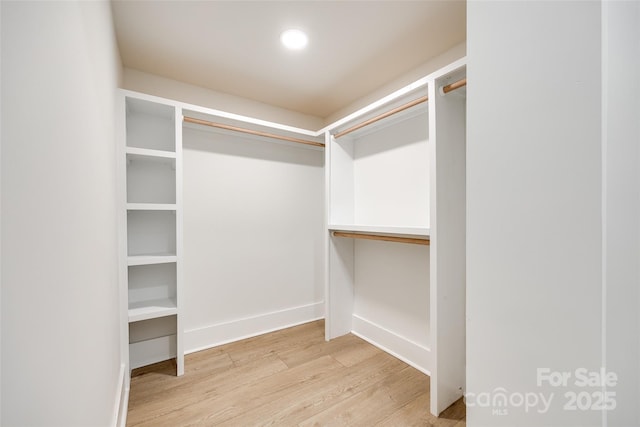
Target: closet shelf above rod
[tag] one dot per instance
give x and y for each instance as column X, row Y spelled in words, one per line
column 251, row 131
column 455, row 85
column 383, row 238
column 382, row 116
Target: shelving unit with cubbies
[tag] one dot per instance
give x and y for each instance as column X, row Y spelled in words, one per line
column 153, row 231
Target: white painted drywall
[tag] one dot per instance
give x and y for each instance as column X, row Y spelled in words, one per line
column 391, row 174
column 167, row 88
column 534, row 206
column 253, row 236
column 60, row 311
column 621, row 160
column 391, row 288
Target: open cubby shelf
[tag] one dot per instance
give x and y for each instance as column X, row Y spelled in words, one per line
column 151, row 206
column 147, row 152
column 144, row 310
column 417, row 232
column 152, row 155
column 151, row 259
column 150, row 125
column 151, row 179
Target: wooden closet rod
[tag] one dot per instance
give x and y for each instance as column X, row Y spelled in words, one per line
column 252, row 132
column 455, row 85
column 382, row 116
column 384, row 238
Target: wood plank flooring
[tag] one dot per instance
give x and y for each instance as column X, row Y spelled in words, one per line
column 291, row 377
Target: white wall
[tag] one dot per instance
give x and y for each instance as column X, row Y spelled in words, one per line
column 621, row 162
column 60, row 323
column 534, row 200
column 172, row 89
column 253, row 230
column 391, row 291
column 391, row 174
column 544, row 213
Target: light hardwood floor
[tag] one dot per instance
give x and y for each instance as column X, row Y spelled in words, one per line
column 287, row 378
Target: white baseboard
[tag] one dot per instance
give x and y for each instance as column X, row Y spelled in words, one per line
column 235, row 330
column 121, row 399
column 410, row 352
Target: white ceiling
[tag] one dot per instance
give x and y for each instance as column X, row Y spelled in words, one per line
column 355, row 47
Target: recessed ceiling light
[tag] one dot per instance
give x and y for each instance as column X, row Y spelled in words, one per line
column 294, row 39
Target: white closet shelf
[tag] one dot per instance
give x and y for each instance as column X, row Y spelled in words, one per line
column 414, row 107
column 151, row 153
column 151, row 206
column 151, row 259
column 383, row 230
column 145, row 310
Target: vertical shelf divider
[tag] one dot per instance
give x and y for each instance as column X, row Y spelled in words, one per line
column 340, row 252
column 448, row 243
column 179, row 244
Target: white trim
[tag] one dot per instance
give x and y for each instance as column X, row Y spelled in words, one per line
column 328, row 141
column 121, row 401
column 179, row 245
column 410, row 352
column 222, row 333
column 122, row 398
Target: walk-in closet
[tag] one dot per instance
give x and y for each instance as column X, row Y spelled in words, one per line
column 360, row 223
column 362, row 213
